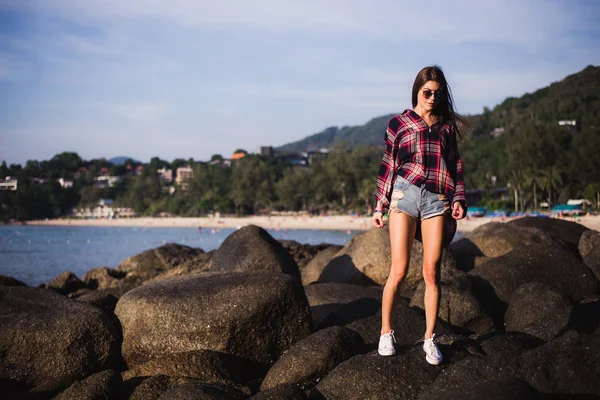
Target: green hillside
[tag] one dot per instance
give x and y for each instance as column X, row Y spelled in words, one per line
column 530, row 150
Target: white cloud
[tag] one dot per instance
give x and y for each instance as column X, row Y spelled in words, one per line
column 442, row 21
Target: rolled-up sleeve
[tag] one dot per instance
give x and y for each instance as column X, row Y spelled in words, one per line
column 387, row 168
column 456, row 170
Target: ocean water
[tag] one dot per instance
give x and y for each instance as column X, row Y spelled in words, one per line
column 37, row 254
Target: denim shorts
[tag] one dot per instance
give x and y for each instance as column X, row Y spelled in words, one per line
column 417, row 201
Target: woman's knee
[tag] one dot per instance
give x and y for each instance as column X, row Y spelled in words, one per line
column 397, row 274
column 430, row 275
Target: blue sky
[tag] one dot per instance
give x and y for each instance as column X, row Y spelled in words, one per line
column 185, row 78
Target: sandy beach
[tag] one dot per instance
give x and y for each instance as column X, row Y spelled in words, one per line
column 272, row 222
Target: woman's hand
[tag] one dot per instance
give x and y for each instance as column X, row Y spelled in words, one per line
column 378, row 219
column 458, row 210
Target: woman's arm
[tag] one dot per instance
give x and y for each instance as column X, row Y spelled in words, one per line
column 455, row 168
column 387, row 167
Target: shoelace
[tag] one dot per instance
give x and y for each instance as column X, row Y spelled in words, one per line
column 392, row 335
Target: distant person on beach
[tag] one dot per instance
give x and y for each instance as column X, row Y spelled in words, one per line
column 421, row 182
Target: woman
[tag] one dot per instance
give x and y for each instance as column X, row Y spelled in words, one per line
column 420, row 180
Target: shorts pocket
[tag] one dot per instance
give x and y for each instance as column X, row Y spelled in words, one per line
column 401, row 183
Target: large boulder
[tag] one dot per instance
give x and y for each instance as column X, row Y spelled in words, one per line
column 254, row 315
column 252, row 248
column 203, row 365
column 569, row 364
column 66, row 283
column 203, row 391
column 589, row 248
column 102, row 385
column 495, row 281
column 50, row 341
column 312, row 358
column 536, row 309
column 364, row 260
column 564, row 231
column 495, row 389
column 457, row 305
column 371, row 376
column 585, row 317
column 10, row 281
column 287, row 391
column 154, row 387
column 151, row 263
column 326, row 299
column 103, row 278
column 105, row 299
column 495, row 239
column 312, row 271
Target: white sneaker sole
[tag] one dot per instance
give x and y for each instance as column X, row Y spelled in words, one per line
column 432, row 361
column 386, row 352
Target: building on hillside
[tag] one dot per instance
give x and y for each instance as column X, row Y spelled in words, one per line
column 266, row 151
column 221, row 161
column 496, row 132
column 64, row 183
column 104, row 171
column 139, row 169
column 37, row 181
column 82, row 171
column 571, row 124
column 9, row 183
column 184, row 174
column 165, row 174
column 237, row 156
column 106, row 181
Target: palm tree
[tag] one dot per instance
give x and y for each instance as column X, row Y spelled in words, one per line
column 551, row 181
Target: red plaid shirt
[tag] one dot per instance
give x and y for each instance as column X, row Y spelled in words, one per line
column 421, row 154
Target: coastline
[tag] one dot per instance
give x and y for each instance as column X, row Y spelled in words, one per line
column 340, row 222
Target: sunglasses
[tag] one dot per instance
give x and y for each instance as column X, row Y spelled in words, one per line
column 428, row 93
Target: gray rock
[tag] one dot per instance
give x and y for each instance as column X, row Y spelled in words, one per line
column 564, row 231
column 287, row 391
column 312, row 271
column 66, row 283
column 497, row 389
column 458, row 306
column 154, row 387
column 103, row 385
column 50, row 341
column 495, row 239
column 536, row 309
column 471, row 371
column 507, row 344
column 254, row 315
column 364, row 260
column 204, row 365
column 326, row 299
column 372, row 376
column 313, row 357
column 569, row 364
column 252, row 248
column 496, row 280
column 10, row 281
column 151, row 263
column 589, row 248
column 196, row 265
column 203, row 391
column 103, row 278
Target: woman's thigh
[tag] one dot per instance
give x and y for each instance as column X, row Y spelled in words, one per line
column 402, row 234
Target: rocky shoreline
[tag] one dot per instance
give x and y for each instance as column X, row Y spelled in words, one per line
column 265, row 319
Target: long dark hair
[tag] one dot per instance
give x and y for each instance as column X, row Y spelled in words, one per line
column 445, row 107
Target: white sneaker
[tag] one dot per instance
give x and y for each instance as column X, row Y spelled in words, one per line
column 386, row 344
column 433, row 355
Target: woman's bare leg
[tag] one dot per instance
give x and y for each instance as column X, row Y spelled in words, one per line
column 402, row 234
column 432, row 230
